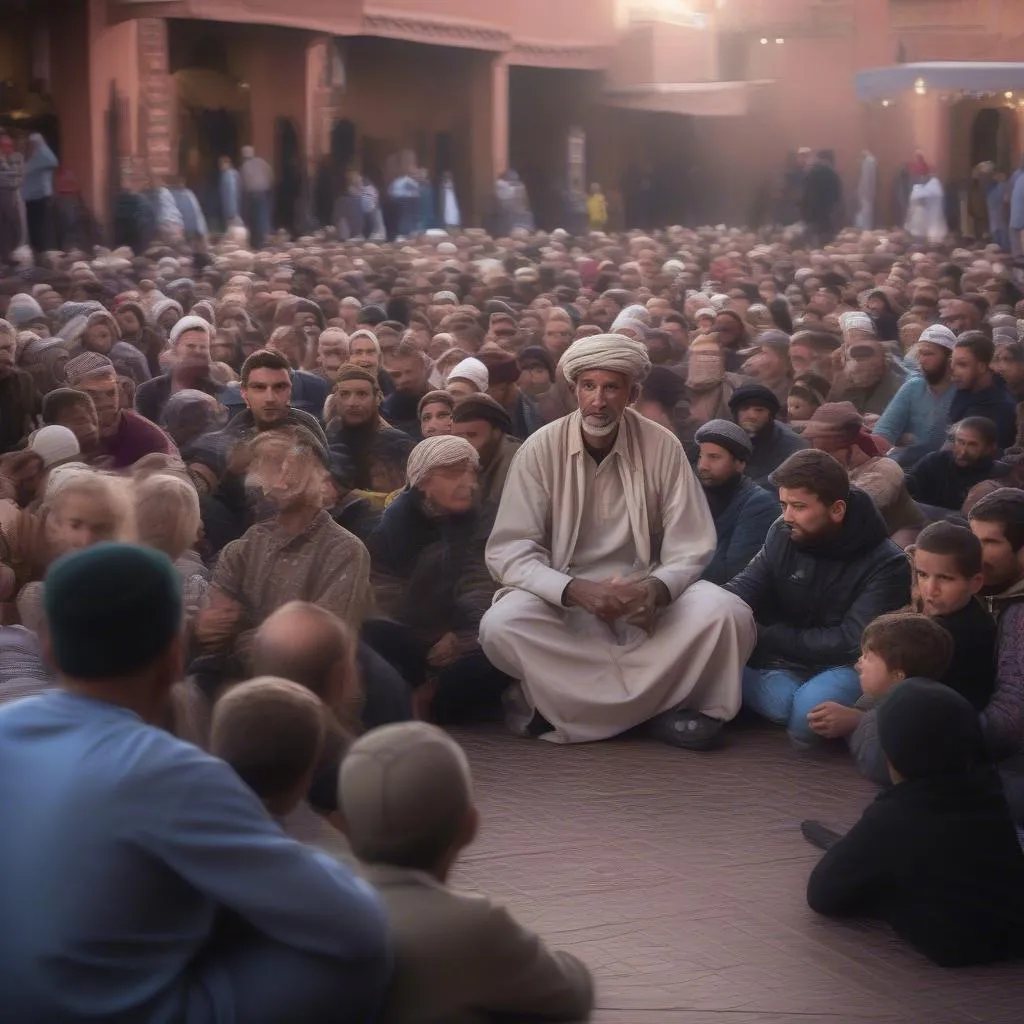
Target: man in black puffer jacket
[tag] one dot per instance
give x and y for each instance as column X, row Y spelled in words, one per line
column 826, row 569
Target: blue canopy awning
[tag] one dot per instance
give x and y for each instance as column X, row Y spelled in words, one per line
column 941, row 76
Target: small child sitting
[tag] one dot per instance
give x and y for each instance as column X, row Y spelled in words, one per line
column 271, row 732
column 406, row 798
column 894, row 647
column 947, row 571
column 936, row 855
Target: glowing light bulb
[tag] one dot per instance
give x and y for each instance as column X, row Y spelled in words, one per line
column 919, row 87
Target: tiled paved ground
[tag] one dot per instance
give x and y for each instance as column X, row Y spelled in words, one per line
column 679, row 878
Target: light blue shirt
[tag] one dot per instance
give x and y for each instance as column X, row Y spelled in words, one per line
column 1017, row 201
column 119, row 845
column 39, row 168
column 917, row 410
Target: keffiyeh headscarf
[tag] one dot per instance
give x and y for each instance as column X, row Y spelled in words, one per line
column 436, row 453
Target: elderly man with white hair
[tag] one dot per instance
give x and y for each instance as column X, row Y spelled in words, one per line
column 599, row 544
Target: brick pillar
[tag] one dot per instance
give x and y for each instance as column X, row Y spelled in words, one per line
column 489, row 130
column 157, row 136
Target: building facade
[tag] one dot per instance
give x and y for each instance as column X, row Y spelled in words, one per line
column 685, row 110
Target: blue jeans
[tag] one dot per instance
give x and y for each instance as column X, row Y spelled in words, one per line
column 782, row 698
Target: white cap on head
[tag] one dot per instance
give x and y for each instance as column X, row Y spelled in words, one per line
column 55, row 445
column 190, row 323
column 939, row 334
column 473, row 370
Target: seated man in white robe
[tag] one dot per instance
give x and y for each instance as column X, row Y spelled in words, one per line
column 600, row 541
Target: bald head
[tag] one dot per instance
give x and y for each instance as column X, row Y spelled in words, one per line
column 310, row 646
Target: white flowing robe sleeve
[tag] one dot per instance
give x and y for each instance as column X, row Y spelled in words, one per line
column 519, row 548
column 688, row 530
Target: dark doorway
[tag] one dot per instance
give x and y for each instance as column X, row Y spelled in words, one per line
column 985, row 136
column 444, row 154
column 343, row 144
column 288, row 171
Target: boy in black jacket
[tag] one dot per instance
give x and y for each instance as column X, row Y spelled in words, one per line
column 947, row 571
column 936, row 856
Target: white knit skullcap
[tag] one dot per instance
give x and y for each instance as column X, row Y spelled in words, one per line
column 612, row 352
column 54, row 444
column 436, row 453
column 473, row 370
column 855, row 321
column 190, row 323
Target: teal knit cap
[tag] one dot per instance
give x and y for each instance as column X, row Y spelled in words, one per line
column 111, row 610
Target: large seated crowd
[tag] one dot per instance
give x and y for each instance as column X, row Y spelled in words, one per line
column 271, row 520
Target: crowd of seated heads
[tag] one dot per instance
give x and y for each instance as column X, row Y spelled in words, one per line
column 316, row 441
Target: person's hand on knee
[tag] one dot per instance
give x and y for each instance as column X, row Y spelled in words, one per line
column 833, row 721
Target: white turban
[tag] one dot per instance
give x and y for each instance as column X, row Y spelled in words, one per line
column 436, row 453
column 856, row 322
column 472, row 369
column 612, row 352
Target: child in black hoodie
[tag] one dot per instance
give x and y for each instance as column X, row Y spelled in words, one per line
column 936, row 855
column 947, row 571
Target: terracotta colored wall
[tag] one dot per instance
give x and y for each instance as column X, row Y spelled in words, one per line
column 273, row 62
column 70, row 75
column 649, row 54
column 113, row 57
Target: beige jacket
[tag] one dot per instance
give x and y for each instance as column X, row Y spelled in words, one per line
column 535, row 534
column 461, row 959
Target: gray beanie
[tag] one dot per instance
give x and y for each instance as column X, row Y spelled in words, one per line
column 727, row 435
column 24, row 309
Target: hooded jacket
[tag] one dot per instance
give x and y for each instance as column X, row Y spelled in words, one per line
column 812, row 602
column 938, row 860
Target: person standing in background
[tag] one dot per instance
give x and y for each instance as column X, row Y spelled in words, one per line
column 37, row 192
column 12, row 170
column 257, row 189
column 230, row 186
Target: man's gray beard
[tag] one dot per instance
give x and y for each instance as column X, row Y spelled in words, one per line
column 603, row 431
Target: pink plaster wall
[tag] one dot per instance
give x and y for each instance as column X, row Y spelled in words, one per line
column 649, row 53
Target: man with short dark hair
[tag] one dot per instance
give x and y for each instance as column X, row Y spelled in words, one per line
column 153, row 844
column 979, row 391
column 997, row 520
column 756, row 408
column 376, row 452
column 827, row 568
column 942, row 480
column 743, row 512
column 410, row 372
column 66, row 407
